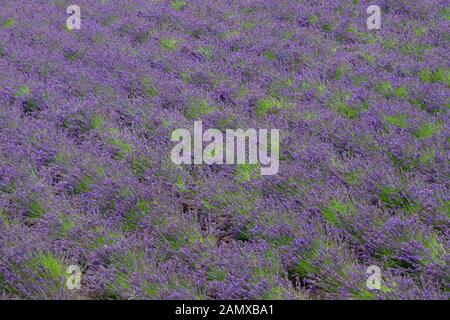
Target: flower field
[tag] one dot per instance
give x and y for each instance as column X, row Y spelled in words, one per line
column 86, row 177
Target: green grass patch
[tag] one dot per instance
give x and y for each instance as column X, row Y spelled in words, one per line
column 84, row 185
column 140, row 165
column 399, row 120
column 401, row 92
column 313, row 19
column 369, row 57
column 148, row 87
column 420, row 31
column 270, row 55
column 440, row 75
column 36, row 210
column 394, row 198
column 390, row 44
column 249, row 25
column 186, row 77
column 207, row 52
column 178, row 5
column 133, row 217
column 353, row 178
column 123, row 148
column 386, row 89
column 169, row 43
column 267, row 105
column 340, row 72
column 328, row 27
column 246, row 172
column 9, row 23
column 217, row 274
column 426, row 130
column 331, row 213
column 97, row 122
column 428, row 156
column 24, row 90
column 445, row 13
column 198, row 108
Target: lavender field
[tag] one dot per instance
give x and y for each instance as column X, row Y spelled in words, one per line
column 86, row 177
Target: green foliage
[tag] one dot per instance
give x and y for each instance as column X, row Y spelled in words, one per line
column 436, row 249
column 152, row 289
column 97, row 122
column 335, row 209
column 352, row 178
column 186, row 77
column 306, row 265
column 420, row 31
column 36, row 210
column 340, row 103
column 178, row 5
column 313, row 19
column 445, row 13
column 48, row 266
column 416, row 50
column 394, row 198
column 320, row 87
column 169, row 43
column 24, row 90
column 67, row 224
column 149, row 89
column 206, row 52
column 364, row 295
column 124, row 148
column 369, row 57
column 440, row 75
column 181, row 185
column 390, row 44
column 30, row 106
column 243, row 202
column 401, row 92
column 386, row 89
column 111, row 20
column 216, row 274
column 270, row 55
column 139, row 165
column 360, row 79
column 267, row 105
column 134, row 216
column 345, row 109
column 9, row 23
column 328, row 27
column 4, row 218
column 288, row 35
column 340, row 71
column 428, row 156
column 245, row 172
column 249, row 25
column 84, row 185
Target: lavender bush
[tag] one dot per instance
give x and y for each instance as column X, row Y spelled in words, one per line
column 86, row 177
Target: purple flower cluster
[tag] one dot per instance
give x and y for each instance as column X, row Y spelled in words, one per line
column 86, row 177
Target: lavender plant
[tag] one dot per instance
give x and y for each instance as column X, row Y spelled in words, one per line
column 86, row 178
